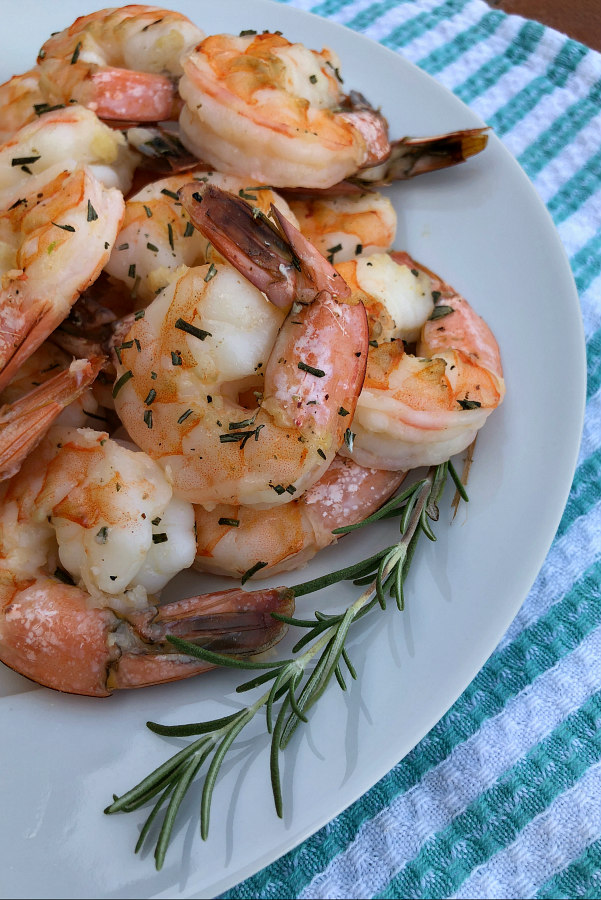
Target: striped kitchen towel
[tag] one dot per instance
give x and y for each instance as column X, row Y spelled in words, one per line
column 503, row 797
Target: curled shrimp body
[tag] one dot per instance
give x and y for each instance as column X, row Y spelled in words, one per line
column 263, row 107
column 20, row 96
column 234, row 540
column 60, row 141
column 54, row 242
column 157, row 235
column 419, row 409
column 89, row 532
column 347, row 226
column 120, row 62
column 190, row 364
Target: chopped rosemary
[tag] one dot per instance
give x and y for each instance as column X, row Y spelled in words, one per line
column 92, row 214
column 211, row 273
column 343, row 412
column 64, row 227
column 192, row 329
column 169, row 193
column 440, row 312
column 234, row 523
column 24, row 160
column 170, row 234
column 189, row 229
column 121, row 381
column 140, row 313
column 150, row 397
column 184, row 416
column 250, row 572
column 102, row 535
column 131, row 272
column 76, row 52
column 469, row 404
column 176, row 358
column 148, row 418
column 159, row 538
column 319, row 373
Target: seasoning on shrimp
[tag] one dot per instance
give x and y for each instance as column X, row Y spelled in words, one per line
column 81, row 556
column 251, row 104
column 322, row 360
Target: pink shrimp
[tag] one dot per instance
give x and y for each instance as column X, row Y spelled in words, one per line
column 190, row 365
column 60, row 234
column 237, row 540
column 89, row 534
column 120, row 62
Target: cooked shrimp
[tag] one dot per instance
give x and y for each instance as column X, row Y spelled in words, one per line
column 191, row 363
column 261, row 107
column 89, row 531
column 236, row 540
column 157, row 236
column 60, row 141
column 25, row 420
column 419, row 409
column 345, row 227
column 53, row 244
column 120, row 62
column 20, row 99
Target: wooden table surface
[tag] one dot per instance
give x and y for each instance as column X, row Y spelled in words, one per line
column 580, row 19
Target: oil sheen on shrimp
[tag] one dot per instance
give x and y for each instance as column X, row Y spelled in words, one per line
column 419, row 409
column 191, row 365
column 260, row 106
column 120, row 62
column 236, row 540
column 60, row 141
column 157, row 235
column 20, row 100
column 89, row 532
column 54, row 242
column 345, row 227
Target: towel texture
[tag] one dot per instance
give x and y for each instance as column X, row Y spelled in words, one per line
column 503, row 797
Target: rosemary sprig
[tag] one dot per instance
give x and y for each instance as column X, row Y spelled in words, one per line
column 296, row 683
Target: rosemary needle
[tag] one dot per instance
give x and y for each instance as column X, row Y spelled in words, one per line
column 296, row 683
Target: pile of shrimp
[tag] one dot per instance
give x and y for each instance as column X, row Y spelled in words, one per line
column 210, row 354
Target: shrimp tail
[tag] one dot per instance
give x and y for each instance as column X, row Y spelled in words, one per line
column 371, row 125
column 417, row 156
column 286, row 268
column 233, row 622
column 25, row 422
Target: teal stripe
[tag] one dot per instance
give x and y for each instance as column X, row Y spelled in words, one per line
column 564, row 64
column 586, row 263
column 329, row 7
column 561, row 132
column 522, row 46
column 422, row 23
column 496, row 818
column 584, row 493
column 442, row 57
column 582, row 185
column 508, row 672
column 593, row 355
column 582, row 878
column 367, row 17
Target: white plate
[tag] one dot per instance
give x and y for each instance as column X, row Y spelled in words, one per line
column 484, row 229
